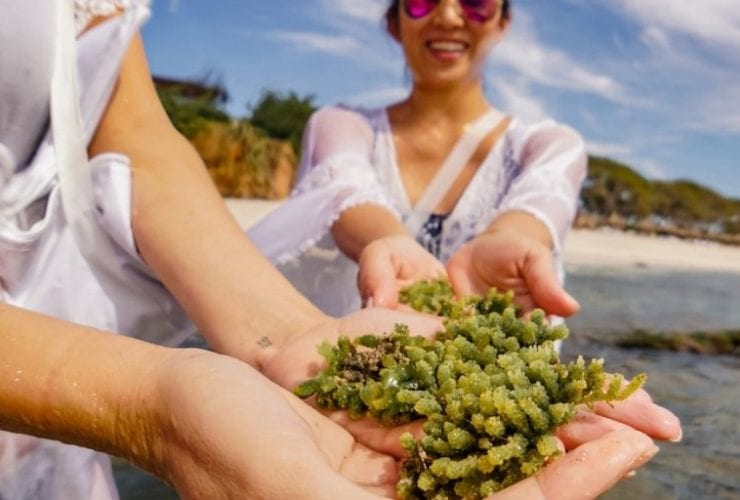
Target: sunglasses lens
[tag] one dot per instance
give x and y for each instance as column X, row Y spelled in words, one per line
column 475, row 10
column 479, row 10
column 416, row 9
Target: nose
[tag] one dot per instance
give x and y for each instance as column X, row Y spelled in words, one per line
column 449, row 14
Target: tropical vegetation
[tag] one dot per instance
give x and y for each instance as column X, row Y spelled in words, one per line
column 256, row 156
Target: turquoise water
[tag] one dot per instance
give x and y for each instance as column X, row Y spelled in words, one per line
column 703, row 390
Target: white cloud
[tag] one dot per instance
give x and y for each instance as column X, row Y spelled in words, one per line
column 516, row 100
column 368, row 11
column 714, row 22
column 524, row 52
column 610, row 150
column 329, row 44
column 720, row 112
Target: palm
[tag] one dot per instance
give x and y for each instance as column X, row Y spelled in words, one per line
column 233, row 427
column 507, row 261
column 298, row 360
column 486, row 263
column 391, row 263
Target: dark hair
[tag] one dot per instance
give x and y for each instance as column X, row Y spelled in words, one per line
column 391, row 14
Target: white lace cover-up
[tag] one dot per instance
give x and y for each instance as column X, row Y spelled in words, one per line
column 535, row 168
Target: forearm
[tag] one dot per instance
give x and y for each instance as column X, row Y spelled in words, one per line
column 78, row 385
column 360, row 225
column 185, row 233
column 234, row 295
column 524, row 224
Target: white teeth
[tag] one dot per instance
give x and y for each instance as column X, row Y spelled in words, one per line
column 448, row 46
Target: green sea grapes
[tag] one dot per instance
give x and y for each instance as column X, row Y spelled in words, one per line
column 491, row 387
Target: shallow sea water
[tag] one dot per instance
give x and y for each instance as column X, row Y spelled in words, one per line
column 704, row 391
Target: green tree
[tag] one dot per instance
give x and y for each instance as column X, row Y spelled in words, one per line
column 191, row 111
column 283, row 116
column 613, row 188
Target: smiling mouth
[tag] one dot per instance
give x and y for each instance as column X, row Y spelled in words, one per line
column 447, row 46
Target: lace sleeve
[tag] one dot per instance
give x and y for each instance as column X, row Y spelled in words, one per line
column 335, row 174
column 86, row 10
column 553, row 159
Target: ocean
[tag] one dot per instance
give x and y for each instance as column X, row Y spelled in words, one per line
column 703, row 390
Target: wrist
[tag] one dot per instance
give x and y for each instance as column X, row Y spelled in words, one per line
column 159, row 415
column 522, row 224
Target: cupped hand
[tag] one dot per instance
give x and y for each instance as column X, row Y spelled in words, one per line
column 586, row 471
column 224, row 431
column 507, row 260
column 297, row 360
column 389, row 264
column 603, row 444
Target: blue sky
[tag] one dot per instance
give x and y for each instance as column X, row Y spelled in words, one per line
column 652, row 83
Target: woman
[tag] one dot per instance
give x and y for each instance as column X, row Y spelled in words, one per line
column 440, row 177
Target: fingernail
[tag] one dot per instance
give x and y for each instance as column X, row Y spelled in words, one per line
column 630, row 474
column 369, row 302
column 642, row 459
column 678, row 438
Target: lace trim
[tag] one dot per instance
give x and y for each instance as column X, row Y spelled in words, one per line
column 86, row 10
column 329, row 173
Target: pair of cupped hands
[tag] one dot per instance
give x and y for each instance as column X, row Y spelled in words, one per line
column 287, row 449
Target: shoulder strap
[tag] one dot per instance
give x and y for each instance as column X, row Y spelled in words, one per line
column 451, row 168
column 66, row 121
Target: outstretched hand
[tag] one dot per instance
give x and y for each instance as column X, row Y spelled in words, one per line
column 507, row 260
column 390, row 264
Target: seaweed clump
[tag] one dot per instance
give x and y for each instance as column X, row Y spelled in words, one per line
column 491, row 387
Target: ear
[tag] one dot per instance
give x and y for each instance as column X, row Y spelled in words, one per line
column 392, row 25
column 504, row 24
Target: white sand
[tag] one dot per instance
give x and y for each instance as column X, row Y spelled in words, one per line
column 617, row 248
column 588, row 248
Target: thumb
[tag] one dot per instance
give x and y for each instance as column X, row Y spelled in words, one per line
column 377, row 281
column 459, row 271
column 548, row 294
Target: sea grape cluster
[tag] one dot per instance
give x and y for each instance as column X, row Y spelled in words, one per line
column 491, row 387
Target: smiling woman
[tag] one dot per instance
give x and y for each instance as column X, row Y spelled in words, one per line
column 438, row 183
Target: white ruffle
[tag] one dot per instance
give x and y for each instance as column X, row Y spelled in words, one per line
column 327, row 190
column 87, row 10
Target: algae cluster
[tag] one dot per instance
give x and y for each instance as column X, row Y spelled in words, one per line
column 491, row 387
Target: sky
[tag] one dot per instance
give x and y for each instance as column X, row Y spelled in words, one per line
column 654, row 84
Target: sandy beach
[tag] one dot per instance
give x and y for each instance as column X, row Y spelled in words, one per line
column 591, row 248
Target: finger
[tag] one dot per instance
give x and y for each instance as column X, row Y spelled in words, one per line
column 460, row 281
column 542, row 281
column 464, row 279
column 457, row 272
column 639, row 411
column 377, row 280
column 586, row 426
column 374, row 435
column 594, row 467
column 369, row 468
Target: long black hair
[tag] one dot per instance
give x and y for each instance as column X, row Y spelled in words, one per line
column 391, row 14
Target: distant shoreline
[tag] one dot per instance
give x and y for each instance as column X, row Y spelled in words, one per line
column 590, row 248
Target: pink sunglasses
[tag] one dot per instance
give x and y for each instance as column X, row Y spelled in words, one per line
column 478, row 11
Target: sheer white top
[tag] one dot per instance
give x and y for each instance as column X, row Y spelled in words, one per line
column 24, row 112
column 349, row 158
